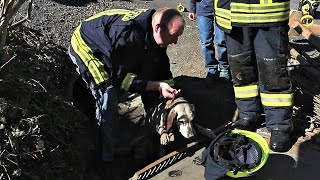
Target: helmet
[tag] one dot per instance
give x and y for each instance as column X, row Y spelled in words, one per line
column 241, row 152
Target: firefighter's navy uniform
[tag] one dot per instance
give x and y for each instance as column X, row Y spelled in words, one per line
column 257, row 40
column 114, row 50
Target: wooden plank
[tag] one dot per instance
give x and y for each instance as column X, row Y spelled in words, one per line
column 296, row 15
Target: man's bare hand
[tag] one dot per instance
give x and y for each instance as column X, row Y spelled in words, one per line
column 192, row 16
column 167, row 91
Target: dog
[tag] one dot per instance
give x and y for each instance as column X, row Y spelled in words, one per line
column 173, row 113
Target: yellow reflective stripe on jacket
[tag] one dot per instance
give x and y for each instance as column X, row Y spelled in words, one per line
column 260, row 8
column 128, row 14
column 277, row 99
column 260, row 18
column 223, row 16
column 246, row 91
column 265, row 1
column 95, row 66
column 223, row 23
column 125, row 85
column 259, row 13
column 169, row 81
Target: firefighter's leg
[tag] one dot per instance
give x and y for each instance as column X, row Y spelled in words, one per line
column 271, row 46
column 106, row 114
column 244, row 75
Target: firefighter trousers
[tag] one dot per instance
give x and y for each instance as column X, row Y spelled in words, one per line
column 258, row 58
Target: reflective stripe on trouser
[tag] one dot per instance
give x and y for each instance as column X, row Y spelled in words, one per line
column 274, row 86
column 106, row 98
column 247, row 100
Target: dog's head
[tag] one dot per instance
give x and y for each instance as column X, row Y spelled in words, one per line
column 182, row 114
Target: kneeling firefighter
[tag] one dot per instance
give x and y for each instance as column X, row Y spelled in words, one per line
column 236, row 153
column 257, row 43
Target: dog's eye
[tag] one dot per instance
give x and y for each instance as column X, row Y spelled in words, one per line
column 181, row 121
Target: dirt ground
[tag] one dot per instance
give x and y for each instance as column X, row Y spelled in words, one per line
column 47, row 134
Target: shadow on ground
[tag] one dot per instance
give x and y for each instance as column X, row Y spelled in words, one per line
column 214, row 106
column 75, row 2
column 138, row 146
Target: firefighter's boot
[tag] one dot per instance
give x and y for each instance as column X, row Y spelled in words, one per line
column 280, row 141
column 249, row 123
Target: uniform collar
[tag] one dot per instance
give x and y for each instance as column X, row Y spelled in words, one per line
column 144, row 20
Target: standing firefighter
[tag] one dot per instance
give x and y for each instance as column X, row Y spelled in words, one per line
column 257, row 40
column 125, row 50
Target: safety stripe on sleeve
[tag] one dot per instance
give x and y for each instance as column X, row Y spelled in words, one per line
column 224, row 22
column 95, row 66
column 125, row 85
column 277, row 99
column 223, row 13
column 223, row 16
column 246, row 91
column 128, row 14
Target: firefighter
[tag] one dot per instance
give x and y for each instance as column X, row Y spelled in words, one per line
column 125, row 50
column 257, row 43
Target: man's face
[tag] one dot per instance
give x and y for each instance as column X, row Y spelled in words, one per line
column 168, row 35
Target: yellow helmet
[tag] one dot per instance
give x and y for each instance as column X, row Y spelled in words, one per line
column 241, row 152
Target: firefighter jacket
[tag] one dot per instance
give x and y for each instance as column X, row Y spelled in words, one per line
column 254, row 13
column 117, row 46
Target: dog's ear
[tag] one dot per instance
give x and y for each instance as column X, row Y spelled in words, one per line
column 193, row 109
column 170, row 119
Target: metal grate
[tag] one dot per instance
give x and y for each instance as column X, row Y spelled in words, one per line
column 163, row 163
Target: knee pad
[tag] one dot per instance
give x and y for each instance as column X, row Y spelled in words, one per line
column 273, row 74
column 242, row 68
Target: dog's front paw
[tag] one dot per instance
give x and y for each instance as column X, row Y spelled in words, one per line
column 164, row 139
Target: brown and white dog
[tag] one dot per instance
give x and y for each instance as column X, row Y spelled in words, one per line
column 173, row 113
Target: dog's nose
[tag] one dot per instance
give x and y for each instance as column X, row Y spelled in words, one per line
column 192, row 133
